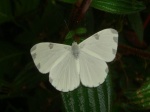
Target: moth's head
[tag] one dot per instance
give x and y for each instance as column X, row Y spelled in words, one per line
column 74, row 43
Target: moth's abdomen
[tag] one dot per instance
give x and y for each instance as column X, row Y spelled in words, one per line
column 75, row 49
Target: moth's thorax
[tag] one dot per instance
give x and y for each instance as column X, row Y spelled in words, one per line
column 75, row 49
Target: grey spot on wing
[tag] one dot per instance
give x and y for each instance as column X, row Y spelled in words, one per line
column 39, row 66
column 96, row 36
column 115, row 39
column 33, row 48
column 106, row 70
column 114, row 51
column 34, row 55
column 51, row 45
column 114, row 31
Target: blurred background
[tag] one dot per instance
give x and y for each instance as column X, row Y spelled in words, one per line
column 23, row 23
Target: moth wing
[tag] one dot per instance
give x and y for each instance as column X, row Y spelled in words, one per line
column 102, row 45
column 93, row 71
column 65, row 75
column 45, row 55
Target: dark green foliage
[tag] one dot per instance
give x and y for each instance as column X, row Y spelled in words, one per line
column 137, row 25
column 24, row 23
column 140, row 98
column 116, row 6
column 85, row 99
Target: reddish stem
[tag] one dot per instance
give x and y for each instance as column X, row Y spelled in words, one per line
column 146, row 21
column 78, row 12
column 127, row 50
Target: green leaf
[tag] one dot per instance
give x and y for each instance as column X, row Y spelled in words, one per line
column 80, row 31
column 84, row 99
column 115, row 6
column 70, row 35
column 118, row 6
column 137, row 25
column 139, row 100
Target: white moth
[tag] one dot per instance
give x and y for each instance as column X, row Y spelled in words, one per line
column 85, row 62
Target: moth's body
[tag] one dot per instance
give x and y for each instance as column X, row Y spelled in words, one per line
column 75, row 50
column 84, row 62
